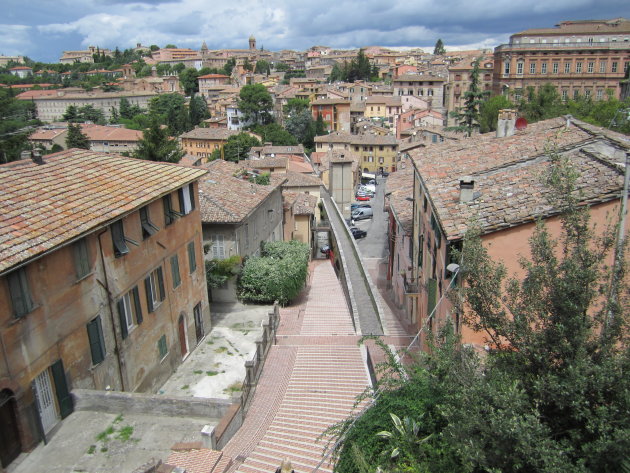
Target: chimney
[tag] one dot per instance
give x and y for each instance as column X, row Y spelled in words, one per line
column 37, row 157
column 506, row 123
column 466, row 189
column 568, row 119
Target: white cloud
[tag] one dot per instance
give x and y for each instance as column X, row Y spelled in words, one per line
column 14, row 39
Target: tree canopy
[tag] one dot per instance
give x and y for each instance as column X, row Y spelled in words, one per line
column 76, row 138
column 439, row 49
column 256, row 104
column 468, row 117
column 157, row 145
column 236, row 148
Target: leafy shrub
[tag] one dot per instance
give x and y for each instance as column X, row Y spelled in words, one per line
column 278, row 275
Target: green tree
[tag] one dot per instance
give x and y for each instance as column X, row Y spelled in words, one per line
column 170, row 109
column 295, row 105
column 301, row 125
column 92, row 114
column 542, row 104
column 439, row 49
column 154, row 47
column 236, row 148
column 320, row 126
column 76, row 138
column 489, row 112
column 468, row 117
column 157, row 145
column 275, row 134
column 282, row 67
column 247, row 65
column 197, row 110
column 170, row 46
column 256, row 104
column 188, row 80
column 18, row 121
column 229, row 66
column 262, row 67
column 71, row 114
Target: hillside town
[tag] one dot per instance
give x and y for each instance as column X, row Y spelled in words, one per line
column 217, row 261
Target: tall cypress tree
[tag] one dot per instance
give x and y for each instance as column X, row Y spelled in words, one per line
column 468, row 116
column 76, row 138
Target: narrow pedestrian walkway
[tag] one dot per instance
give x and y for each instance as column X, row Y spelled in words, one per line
column 310, row 381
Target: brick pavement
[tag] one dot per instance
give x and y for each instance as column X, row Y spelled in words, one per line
column 310, row 381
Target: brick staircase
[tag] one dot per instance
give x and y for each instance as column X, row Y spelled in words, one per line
column 310, row 382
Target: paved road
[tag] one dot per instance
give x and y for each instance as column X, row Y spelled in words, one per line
column 374, row 245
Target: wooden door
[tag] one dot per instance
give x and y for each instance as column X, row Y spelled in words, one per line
column 10, row 445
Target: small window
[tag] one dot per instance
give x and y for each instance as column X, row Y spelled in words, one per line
column 148, row 228
column 555, row 67
column 192, row 258
column 81, row 259
column 162, row 348
column 170, row 214
column 177, row 280
column 154, row 286
column 97, row 343
column 129, row 311
column 186, row 199
column 218, row 249
column 21, row 299
column 543, row 68
column 578, row 67
column 614, row 66
column 519, row 67
column 532, row 68
column 602, row 66
column 567, row 67
column 590, row 67
column 118, row 238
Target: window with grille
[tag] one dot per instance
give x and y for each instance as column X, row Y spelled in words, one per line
column 129, row 311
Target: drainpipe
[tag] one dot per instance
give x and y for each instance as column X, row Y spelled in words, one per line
column 111, row 312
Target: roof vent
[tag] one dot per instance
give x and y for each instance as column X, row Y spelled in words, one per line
column 466, row 189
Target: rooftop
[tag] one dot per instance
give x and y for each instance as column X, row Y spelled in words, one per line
column 507, row 173
column 227, row 199
column 209, row 134
column 400, row 186
column 72, row 194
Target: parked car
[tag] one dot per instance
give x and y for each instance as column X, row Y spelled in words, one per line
column 358, row 205
column 360, row 214
column 358, row 233
column 372, row 181
column 384, row 174
column 367, row 188
column 363, row 198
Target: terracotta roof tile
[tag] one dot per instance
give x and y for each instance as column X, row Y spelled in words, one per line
column 227, row 199
column 400, row 184
column 73, row 193
column 507, row 173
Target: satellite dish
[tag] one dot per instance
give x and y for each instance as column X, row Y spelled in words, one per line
column 521, row 123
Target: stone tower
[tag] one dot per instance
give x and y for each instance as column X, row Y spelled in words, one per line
column 252, row 43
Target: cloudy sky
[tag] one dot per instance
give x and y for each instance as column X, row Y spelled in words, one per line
column 42, row 29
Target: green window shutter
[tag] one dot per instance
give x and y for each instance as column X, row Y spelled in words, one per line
column 147, row 289
column 175, row 271
column 81, row 260
column 123, row 319
column 432, row 293
column 162, row 350
column 192, row 260
column 15, row 291
column 137, row 306
column 61, row 389
column 95, row 336
column 191, row 188
column 160, row 277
